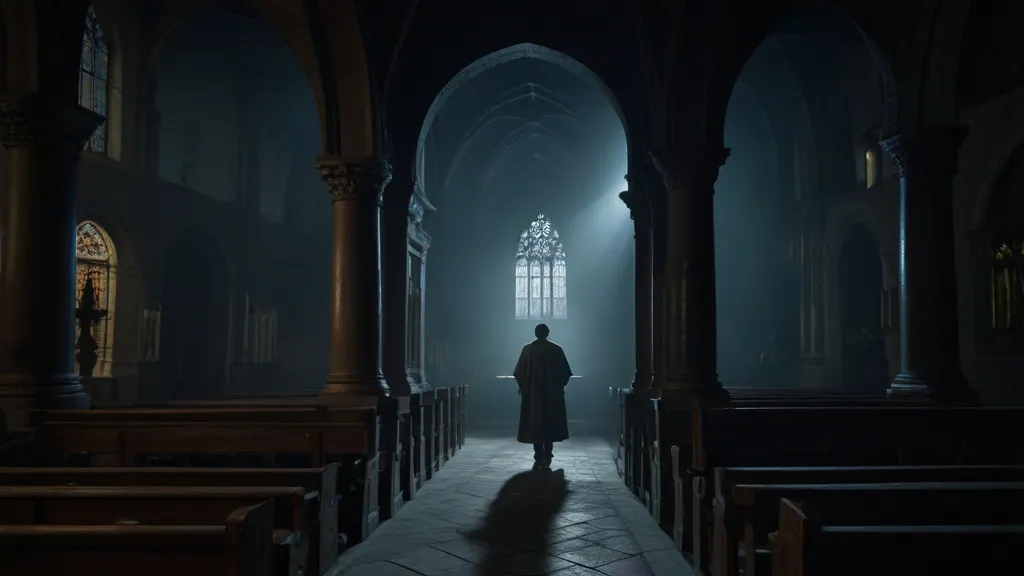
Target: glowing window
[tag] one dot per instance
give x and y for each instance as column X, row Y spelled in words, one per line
column 97, row 261
column 92, row 78
column 540, row 272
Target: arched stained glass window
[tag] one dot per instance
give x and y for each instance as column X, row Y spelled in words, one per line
column 540, row 272
column 97, row 261
column 92, row 78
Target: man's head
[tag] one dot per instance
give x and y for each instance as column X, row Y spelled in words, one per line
column 542, row 331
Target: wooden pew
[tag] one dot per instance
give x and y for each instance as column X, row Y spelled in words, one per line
column 418, row 430
column 164, row 506
column 456, row 420
column 352, row 433
column 729, row 524
column 898, row 503
column 320, row 485
column 835, row 436
column 462, row 414
column 395, row 457
column 236, row 546
column 430, row 450
column 444, row 415
column 806, row 546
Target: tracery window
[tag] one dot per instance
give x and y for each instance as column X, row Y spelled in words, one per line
column 1007, row 284
column 540, row 272
column 262, row 345
column 96, row 260
column 93, row 77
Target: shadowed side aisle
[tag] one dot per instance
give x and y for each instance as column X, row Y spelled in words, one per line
column 487, row 513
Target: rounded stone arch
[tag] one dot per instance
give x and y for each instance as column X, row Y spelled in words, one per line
column 993, row 143
column 942, row 60
column 790, row 86
column 334, row 62
column 750, row 27
column 743, row 89
column 842, row 218
column 621, row 66
column 503, row 56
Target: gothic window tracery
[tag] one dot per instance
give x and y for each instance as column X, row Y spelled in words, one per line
column 93, row 76
column 1006, row 283
column 540, row 272
column 96, row 259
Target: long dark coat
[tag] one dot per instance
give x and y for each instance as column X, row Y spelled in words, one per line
column 542, row 373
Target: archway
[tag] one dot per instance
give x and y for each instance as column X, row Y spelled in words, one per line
column 195, row 318
column 527, row 137
column 865, row 366
column 96, row 260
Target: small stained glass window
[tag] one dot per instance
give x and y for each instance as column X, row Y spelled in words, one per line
column 540, row 272
column 92, row 78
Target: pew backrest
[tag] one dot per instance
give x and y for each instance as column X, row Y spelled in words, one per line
column 809, row 545
column 322, row 482
column 240, row 545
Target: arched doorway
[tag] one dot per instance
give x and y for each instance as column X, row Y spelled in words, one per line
column 96, row 260
column 865, row 366
column 194, row 318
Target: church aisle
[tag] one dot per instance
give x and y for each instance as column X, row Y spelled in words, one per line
column 487, row 514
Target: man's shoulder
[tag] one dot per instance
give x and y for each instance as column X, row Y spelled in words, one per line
column 548, row 344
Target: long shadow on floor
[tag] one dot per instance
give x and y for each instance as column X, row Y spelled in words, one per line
column 515, row 532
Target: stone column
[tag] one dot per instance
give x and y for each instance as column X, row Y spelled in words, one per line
column 929, row 328
column 690, row 315
column 640, row 211
column 37, row 288
column 356, row 188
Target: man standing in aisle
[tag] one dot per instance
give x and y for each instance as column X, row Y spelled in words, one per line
column 542, row 374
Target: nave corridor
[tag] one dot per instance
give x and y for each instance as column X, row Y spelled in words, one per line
column 483, row 514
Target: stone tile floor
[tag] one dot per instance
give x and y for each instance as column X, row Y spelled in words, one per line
column 488, row 514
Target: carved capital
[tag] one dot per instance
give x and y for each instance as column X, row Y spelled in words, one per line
column 349, row 180
column 638, row 203
column 29, row 118
column 927, row 149
column 691, row 170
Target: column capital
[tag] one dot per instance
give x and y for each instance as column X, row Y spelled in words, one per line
column 638, row 203
column 354, row 179
column 927, row 148
column 30, row 118
column 689, row 168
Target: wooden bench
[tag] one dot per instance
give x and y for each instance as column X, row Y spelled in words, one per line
column 164, row 506
column 906, row 503
column 834, row 436
column 462, row 414
column 728, row 525
column 444, row 420
column 394, row 447
column 808, row 546
column 320, row 485
column 122, row 443
column 236, row 546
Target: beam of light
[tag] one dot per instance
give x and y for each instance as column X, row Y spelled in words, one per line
column 603, row 229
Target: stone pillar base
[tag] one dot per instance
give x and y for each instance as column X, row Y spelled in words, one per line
column 352, row 392
column 20, row 395
column 908, row 387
